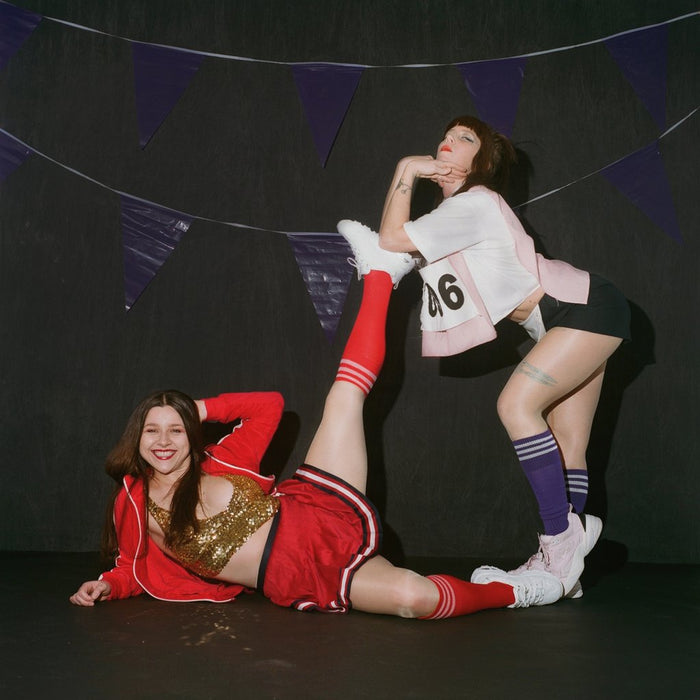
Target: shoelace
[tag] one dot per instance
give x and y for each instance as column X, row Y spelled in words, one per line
column 353, row 263
column 538, row 556
column 543, row 553
column 532, row 593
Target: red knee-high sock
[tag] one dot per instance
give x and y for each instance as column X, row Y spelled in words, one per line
column 364, row 352
column 459, row 597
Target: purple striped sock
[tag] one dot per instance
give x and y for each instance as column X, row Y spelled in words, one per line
column 540, row 459
column 577, row 487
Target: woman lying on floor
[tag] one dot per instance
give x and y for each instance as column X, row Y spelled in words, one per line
column 195, row 525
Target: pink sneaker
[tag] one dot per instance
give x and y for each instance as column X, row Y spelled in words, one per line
column 536, row 563
column 563, row 554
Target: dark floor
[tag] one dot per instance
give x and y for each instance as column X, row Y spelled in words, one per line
column 634, row 634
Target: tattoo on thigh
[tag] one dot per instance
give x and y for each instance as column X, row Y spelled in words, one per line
column 535, row 374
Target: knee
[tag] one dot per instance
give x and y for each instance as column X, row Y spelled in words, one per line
column 510, row 408
column 520, row 413
column 415, row 596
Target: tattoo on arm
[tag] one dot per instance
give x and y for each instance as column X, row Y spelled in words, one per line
column 403, row 187
column 535, row 374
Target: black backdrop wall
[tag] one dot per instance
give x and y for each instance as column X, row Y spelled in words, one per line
column 229, row 309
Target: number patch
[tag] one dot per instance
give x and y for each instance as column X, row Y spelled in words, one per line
column 446, row 303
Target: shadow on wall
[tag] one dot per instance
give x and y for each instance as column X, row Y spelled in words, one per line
column 279, row 450
column 622, row 370
column 381, row 401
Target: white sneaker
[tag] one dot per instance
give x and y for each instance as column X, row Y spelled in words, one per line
column 369, row 256
column 529, row 587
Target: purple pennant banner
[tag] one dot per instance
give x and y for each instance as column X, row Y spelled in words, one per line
column 12, row 155
column 643, row 58
column 323, row 263
column 149, row 235
column 161, row 75
column 325, row 92
column 16, row 25
column 642, row 178
column 495, row 87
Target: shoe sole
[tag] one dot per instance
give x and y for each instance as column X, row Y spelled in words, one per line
column 592, row 527
column 576, row 592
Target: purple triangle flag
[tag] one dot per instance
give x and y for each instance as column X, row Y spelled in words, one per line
column 323, row 263
column 161, row 75
column 149, row 235
column 326, row 92
column 12, row 154
column 643, row 58
column 495, row 88
column 642, row 178
column 16, row 25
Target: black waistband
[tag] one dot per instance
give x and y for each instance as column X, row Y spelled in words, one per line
column 268, row 548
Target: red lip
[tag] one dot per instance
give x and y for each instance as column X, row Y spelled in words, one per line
column 446, row 148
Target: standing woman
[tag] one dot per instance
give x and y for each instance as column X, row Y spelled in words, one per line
column 194, row 525
column 481, row 267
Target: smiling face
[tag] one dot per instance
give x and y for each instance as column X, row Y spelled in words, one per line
column 459, row 146
column 164, row 444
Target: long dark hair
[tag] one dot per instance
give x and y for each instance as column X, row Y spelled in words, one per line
column 492, row 162
column 125, row 459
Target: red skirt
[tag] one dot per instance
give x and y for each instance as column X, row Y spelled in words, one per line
column 323, row 532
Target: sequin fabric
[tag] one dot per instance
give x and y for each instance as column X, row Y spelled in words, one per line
column 219, row 537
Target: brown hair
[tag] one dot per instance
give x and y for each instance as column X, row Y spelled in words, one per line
column 125, row 459
column 492, row 162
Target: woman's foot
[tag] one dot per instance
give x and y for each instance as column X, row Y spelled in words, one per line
column 536, row 563
column 529, row 587
column 369, row 256
column 563, row 554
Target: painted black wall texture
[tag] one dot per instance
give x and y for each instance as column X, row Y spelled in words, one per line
column 229, row 309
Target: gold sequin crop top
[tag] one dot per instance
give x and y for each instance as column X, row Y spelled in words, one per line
column 219, row 537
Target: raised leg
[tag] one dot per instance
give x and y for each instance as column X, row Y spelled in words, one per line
column 338, row 446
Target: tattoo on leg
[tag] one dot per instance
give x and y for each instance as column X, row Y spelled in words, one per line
column 535, row 374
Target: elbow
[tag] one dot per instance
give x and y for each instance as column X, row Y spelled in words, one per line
column 395, row 241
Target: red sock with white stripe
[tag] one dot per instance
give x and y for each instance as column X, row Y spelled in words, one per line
column 364, row 352
column 459, row 597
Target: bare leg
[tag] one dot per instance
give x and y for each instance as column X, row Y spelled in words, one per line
column 564, row 361
column 571, row 420
column 380, row 587
column 338, row 446
column 562, row 373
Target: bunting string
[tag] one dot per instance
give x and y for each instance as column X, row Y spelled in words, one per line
column 609, row 165
column 162, row 73
column 248, row 59
column 195, row 217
